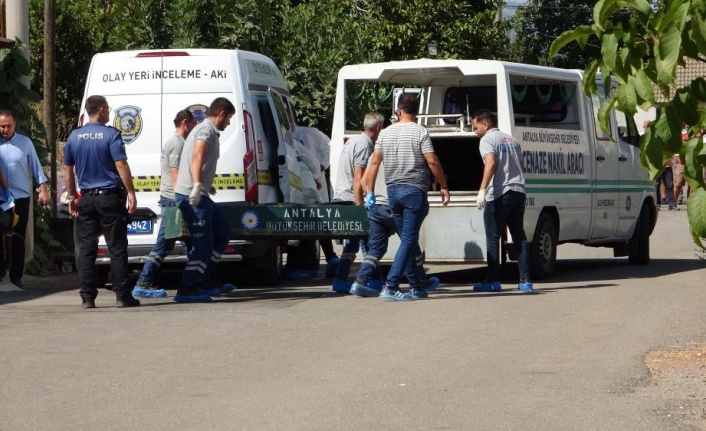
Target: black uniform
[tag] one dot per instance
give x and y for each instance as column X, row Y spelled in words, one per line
column 93, row 151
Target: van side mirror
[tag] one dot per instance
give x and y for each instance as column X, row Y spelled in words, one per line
column 281, row 160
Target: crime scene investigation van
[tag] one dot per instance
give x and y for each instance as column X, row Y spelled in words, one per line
column 583, row 186
column 258, row 162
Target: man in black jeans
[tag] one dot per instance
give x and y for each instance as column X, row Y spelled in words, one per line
column 97, row 153
column 502, row 194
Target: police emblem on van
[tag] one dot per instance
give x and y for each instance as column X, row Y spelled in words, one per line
column 200, row 111
column 129, row 121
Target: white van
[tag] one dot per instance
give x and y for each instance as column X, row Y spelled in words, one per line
column 258, row 162
column 583, row 186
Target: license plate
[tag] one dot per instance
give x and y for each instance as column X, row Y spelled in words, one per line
column 139, row 226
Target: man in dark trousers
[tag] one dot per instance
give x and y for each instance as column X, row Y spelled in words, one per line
column 502, row 196
column 97, row 154
column 210, row 230
column 22, row 169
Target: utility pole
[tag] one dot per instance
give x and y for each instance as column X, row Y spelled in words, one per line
column 17, row 15
column 49, row 107
column 499, row 12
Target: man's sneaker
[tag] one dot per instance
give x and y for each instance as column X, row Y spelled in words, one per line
column 488, row 287
column 341, row 286
column 362, row 290
column 17, row 282
column 376, row 284
column 148, row 290
column 525, row 287
column 389, row 294
column 199, row 297
column 419, row 293
column 331, row 267
column 432, row 284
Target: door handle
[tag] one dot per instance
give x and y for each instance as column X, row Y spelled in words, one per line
column 622, row 159
column 600, row 158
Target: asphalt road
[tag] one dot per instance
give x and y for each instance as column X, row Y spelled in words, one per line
column 300, row 357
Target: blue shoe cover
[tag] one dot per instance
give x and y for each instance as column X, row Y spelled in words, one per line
column 363, row 291
column 138, row 292
column 210, row 292
column 526, row 287
column 226, row 288
column 376, row 284
column 341, row 286
column 192, row 298
column 432, row 284
column 488, row 287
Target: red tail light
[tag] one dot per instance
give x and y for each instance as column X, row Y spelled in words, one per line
column 163, row 54
column 249, row 163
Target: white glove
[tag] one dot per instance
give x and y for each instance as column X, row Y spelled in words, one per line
column 195, row 195
column 480, row 200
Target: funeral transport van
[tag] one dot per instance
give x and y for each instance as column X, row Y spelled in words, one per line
column 258, row 161
column 583, row 185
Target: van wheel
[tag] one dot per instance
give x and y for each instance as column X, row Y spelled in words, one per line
column 543, row 248
column 270, row 271
column 641, row 237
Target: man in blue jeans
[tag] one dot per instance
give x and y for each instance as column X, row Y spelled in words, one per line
column 209, row 229
column 502, row 194
column 382, row 227
column 169, row 162
column 407, row 151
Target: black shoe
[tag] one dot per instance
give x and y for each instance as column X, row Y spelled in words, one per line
column 88, row 304
column 127, row 302
column 17, row 282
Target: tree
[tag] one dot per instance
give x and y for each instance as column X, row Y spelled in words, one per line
column 641, row 48
column 540, row 22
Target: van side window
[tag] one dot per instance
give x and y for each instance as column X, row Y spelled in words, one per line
column 596, row 102
column 545, row 103
column 627, row 129
column 282, row 117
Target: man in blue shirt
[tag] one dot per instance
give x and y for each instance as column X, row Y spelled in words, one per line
column 20, row 164
column 97, row 154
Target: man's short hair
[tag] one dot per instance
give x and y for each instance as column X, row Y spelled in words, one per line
column 408, row 103
column 372, row 120
column 182, row 115
column 220, row 104
column 6, row 113
column 487, row 116
column 94, row 104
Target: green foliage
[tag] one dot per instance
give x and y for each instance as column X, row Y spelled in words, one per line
column 540, row 22
column 641, row 49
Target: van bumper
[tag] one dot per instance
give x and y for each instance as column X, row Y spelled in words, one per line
column 137, row 254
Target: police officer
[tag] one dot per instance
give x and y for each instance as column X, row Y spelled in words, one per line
column 97, row 153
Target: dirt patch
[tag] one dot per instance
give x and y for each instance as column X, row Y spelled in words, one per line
column 679, row 377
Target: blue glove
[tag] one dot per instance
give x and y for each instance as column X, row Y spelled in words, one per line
column 8, row 197
column 370, row 201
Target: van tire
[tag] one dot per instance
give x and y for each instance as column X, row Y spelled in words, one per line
column 543, row 248
column 641, row 237
column 270, row 270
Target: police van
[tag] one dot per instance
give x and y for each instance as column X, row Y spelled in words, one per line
column 258, row 161
column 583, row 185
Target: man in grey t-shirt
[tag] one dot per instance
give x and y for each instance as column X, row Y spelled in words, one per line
column 209, row 229
column 502, row 194
column 351, row 167
column 169, row 162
